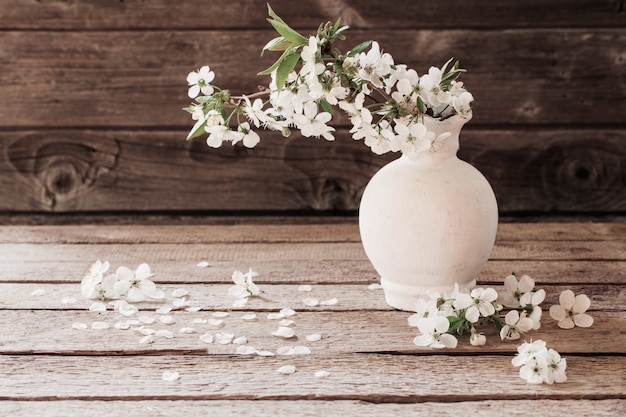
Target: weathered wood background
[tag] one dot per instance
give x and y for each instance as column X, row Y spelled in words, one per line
column 91, row 93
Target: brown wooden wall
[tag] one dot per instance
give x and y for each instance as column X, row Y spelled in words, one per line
column 91, row 93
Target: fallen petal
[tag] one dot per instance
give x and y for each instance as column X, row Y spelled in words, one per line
column 330, row 302
column 187, row 330
column 287, row 369
column 314, row 337
column 246, row 350
column 79, row 326
column 249, row 317
column 311, row 302
column 322, row 374
column 167, row 319
column 146, row 339
column 305, row 288
column 374, row 287
column 206, row 338
column 202, row 264
column 164, row 333
column 99, row 325
column 179, row 293
column 98, row 307
column 284, row 332
column 68, row 300
column 301, row 350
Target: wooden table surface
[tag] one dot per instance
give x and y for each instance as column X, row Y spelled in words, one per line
column 49, row 368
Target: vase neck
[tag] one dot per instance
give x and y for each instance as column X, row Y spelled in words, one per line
column 448, row 146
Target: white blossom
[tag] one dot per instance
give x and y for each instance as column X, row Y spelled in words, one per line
column 244, row 285
column 571, row 310
column 200, row 82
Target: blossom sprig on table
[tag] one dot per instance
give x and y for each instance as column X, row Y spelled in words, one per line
column 135, row 285
column 386, row 102
column 440, row 318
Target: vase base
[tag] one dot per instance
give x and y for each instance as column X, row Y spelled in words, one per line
column 403, row 297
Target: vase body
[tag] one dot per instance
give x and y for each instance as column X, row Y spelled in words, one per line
column 428, row 223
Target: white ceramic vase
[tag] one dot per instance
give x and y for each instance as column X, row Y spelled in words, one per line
column 429, row 223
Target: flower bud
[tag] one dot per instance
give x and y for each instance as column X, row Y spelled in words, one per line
column 478, row 339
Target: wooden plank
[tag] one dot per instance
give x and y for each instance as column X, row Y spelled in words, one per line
column 287, row 408
column 280, row 233
column 89, row 170
column 368, row 377
column 352, row 297
column 93, row 15
column 141, row 74
column 128, row 254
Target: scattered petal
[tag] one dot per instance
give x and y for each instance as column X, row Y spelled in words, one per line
column 301, row 350
column 170, row 376
column 38, row 292
column 167, row 319
column 202, row 264
column 305, row 288
column 164, row 333
column 98, row 307
column 79, row 326
column 284, row 332
column 315, row 337
column 146, row 319
column 68, row 300
column 187, row 330
column 220, row 314
column 179, row 293
column 146, row 331
column 157, row 295
column 194, row 309
column 249, row 317
column 284, row 350
column 322, row 374
column 287, row 312
column 206, row 338
column 374, row 286
column 99, row 325
column 246, row 350
column 122, row 325
column 126, row 309
column 224, row 338
column 180, row 302
column 311, row 302
column 330, row 302
column 216, row 322
column 265, row 353
column 275, row 316
column 146, row 339
column 286, row 322
column 287, row 369
column 164, row 310
column 241, row 340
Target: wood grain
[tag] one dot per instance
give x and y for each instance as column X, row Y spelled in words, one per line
column 48, row 76
column 99, row 15
column 95, row 170
column 367, row 377
column 289, row 408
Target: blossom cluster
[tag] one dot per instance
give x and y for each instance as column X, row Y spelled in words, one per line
column 385, row 102
column 539, row 364
column 440, row 318
column 135, row 285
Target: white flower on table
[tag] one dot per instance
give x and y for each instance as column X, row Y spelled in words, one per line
column 539, row 364
column 200, row 82
column 136, row 284
column 244, row 285
column 515, row 325
column 514, row 289
column 434, row 333
column 476, row 304
column 97, row 286
column 570, row 312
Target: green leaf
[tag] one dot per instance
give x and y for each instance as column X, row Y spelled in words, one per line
column 286, row 66
column 288, row 33
column 359, row 48
column 292, row 49
column 273, row 15
column 326, row 106
column 197, row 129
column 420, row 105
column 277, row 44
